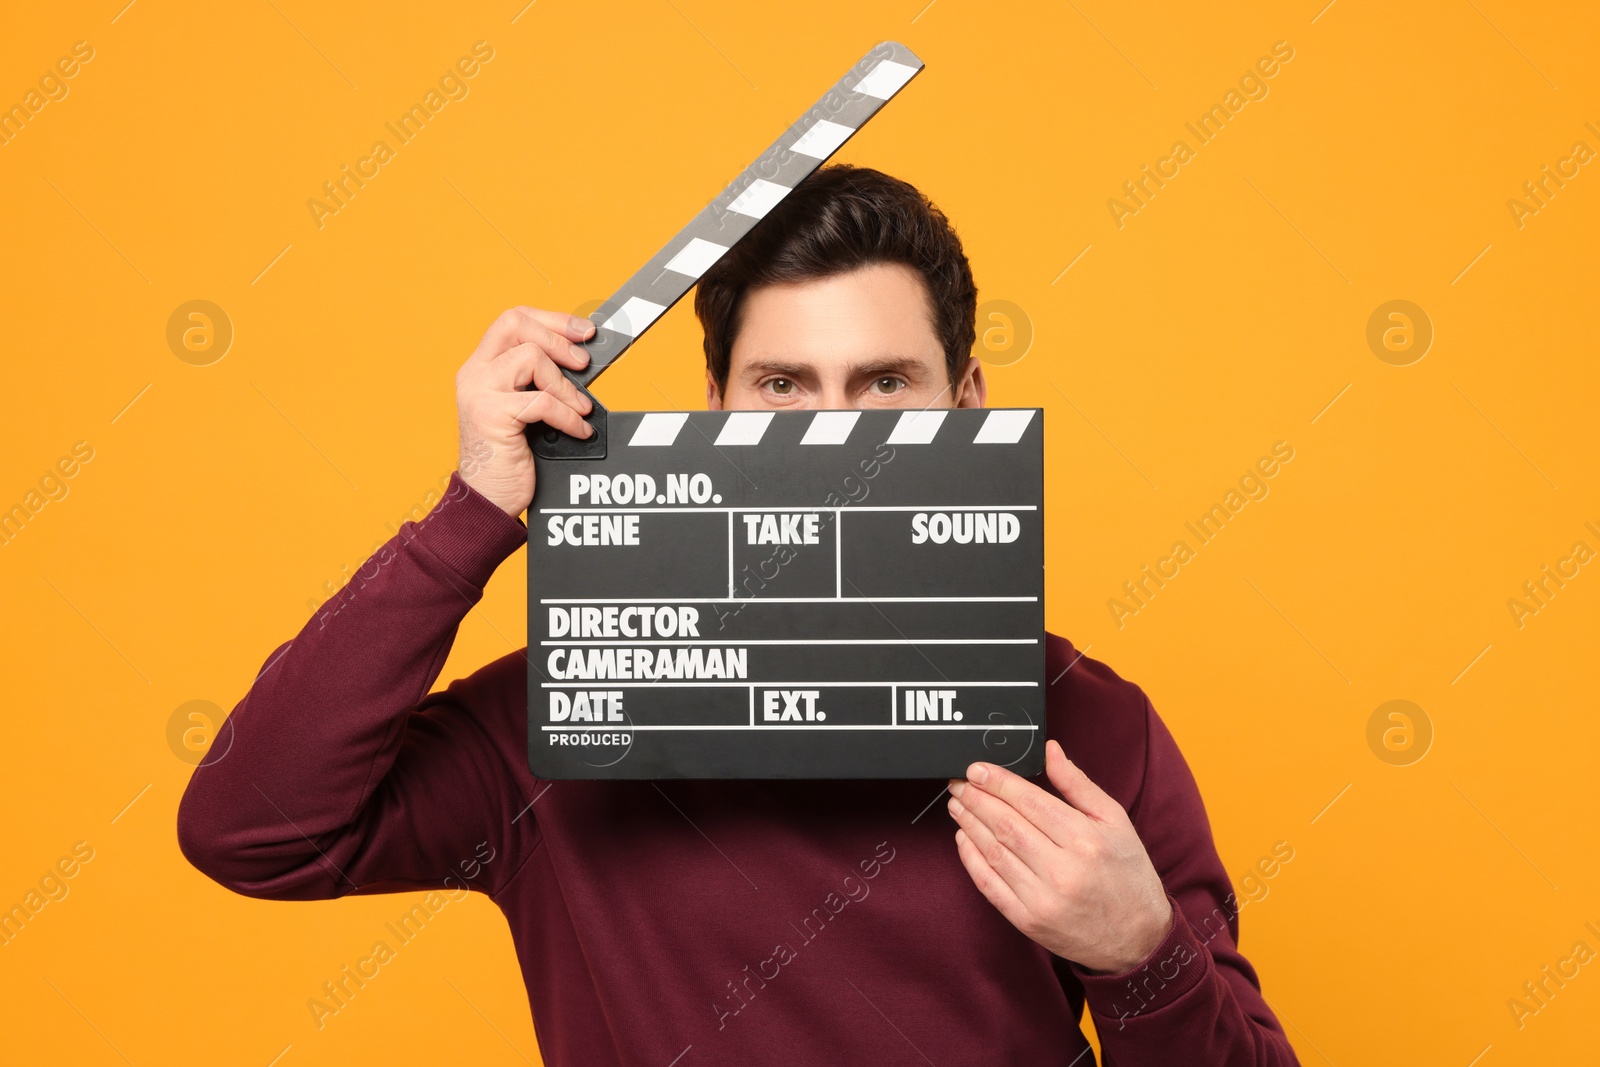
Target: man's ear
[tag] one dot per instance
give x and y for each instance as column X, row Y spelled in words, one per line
column 713, row 394
column 972, row 391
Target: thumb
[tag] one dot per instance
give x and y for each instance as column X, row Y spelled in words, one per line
column 1076, row 788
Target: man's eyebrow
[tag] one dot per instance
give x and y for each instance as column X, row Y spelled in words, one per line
column 792, row 369
column 886, row 365
column 779, row 366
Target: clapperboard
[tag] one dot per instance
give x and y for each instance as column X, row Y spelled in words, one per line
column 792, row 594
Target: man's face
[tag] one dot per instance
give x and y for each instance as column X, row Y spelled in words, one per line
column 863, row 339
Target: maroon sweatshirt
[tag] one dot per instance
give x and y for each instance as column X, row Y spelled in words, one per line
column 699, row 922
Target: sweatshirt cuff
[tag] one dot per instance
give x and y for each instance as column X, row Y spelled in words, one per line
column 1178, row 964
column 467, row 532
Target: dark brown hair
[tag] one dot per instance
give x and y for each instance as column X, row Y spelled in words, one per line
column 840, row 218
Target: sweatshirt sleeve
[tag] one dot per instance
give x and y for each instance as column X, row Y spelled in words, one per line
column 1195, row 999
column 338, row 773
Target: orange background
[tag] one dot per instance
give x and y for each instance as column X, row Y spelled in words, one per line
column 1229, row 313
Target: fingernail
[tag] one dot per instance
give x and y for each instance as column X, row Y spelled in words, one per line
column 956, row 807
column 584, row 325
column 978, row 772
column 588, row 431
column 957, row 788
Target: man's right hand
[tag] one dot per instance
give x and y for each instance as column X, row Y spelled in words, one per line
column 524, row 345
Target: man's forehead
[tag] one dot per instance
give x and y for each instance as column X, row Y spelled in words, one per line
column 849, row 321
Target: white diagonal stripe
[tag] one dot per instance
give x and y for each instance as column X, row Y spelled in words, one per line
column 658, row 428
column 696, row 257
column 885, row 80
column 917, row 427
column 830, row 427
column 744, row 428
column 822, row 140
column 1003, row 427
column 761, row 197
column 633, row 317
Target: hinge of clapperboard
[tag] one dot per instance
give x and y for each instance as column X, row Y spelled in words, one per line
column 673, row 271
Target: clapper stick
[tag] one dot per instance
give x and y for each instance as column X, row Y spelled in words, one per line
column 673, row 271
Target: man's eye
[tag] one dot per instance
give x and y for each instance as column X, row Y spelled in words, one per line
column 781, row 386
column 886, row 386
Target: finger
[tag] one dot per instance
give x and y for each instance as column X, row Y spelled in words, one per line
column 544, row 407
column 1008, row 854
column 1012, row 828
column 520, row 326
column 572, row 327
column 529, row 364
column 1058, row 821
column 536, row 334
column 989, row 883
column 1078, row 790
column 565, row 391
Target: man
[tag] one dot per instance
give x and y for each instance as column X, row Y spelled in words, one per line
column 743, row 921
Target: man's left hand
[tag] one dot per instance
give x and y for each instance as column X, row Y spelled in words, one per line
column 1072, row 875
